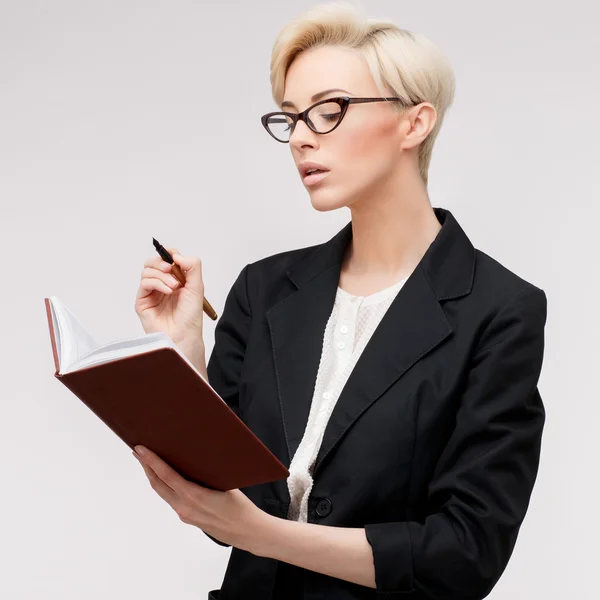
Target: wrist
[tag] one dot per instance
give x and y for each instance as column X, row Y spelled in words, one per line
column 260, row 538
column 195, row 352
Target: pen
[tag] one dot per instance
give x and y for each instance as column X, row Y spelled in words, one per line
column 180, row 276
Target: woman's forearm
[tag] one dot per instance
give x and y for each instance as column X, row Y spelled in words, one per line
column 341, row 552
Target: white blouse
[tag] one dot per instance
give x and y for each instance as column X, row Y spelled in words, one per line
column 350, row 326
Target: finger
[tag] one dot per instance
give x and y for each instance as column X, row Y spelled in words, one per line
column 192, row 266
column 159, row 486
column 157, row 262
column 164, row 471
column 187, row 262
column 166, row 278
column 149, row 284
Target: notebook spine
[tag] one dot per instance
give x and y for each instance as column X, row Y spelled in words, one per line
column 52, row 336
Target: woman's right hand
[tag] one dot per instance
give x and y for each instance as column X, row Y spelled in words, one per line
column 163, row 304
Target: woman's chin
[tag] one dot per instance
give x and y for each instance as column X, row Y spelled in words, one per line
column 323, row 204
column 324, row 200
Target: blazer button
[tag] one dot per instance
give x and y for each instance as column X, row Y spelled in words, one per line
column 323, row 507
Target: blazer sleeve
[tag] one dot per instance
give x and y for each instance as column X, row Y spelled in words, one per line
column 227, row 356
column 481, row 486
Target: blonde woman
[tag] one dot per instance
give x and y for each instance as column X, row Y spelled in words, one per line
column 392, row 368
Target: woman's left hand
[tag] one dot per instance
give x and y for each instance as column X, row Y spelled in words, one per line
column 230, row 516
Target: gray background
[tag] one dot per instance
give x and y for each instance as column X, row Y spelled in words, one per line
column 123, row 120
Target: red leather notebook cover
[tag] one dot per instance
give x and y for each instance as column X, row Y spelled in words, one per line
column 158, row 400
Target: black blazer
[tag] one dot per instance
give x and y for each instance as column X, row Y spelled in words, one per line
column 434, row 443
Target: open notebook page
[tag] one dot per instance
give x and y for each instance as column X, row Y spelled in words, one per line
column 77, row 349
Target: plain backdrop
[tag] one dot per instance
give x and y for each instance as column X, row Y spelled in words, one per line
column 126, row 120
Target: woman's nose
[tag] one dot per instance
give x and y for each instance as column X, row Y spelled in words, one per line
column 302, row 135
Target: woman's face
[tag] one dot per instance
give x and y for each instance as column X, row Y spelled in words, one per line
column 364, row 150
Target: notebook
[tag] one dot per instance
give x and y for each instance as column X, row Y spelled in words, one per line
column 147, row 392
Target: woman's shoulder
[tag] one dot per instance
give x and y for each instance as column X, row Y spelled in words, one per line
column 501, row 295
column 497, row 282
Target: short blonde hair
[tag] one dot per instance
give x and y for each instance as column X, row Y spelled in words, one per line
column 407, row 63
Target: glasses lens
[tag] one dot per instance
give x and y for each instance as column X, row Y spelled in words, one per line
column 280, row 126
column 325, row 117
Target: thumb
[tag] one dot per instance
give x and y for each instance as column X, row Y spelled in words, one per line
column 192, row 266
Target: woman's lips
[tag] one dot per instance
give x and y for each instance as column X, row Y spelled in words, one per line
column 315, row 177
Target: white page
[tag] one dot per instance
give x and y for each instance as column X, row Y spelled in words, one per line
column 72, row 339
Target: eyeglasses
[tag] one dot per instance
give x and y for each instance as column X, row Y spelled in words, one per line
column 322, row 117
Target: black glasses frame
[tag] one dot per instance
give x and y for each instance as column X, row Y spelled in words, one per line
column 343, row 101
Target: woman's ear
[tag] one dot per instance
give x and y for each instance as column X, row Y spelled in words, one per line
column 416, row 123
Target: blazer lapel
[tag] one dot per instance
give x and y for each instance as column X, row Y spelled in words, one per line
column 413, row 326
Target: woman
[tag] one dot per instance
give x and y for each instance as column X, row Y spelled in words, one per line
column 393, row 368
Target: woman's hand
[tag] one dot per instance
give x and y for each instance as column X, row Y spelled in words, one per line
column 163, row 304
column 230, row 517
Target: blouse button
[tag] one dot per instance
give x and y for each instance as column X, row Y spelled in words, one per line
column 341, row 345
column 323, row 507
column 344, row 328
column 326, row 395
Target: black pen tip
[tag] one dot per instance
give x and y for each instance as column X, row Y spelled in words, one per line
column 162, row 251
